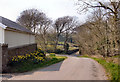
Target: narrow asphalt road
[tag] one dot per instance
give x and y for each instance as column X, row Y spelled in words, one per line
column 73, row 68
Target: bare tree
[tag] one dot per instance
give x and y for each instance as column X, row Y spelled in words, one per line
column 37, row 22
column 70, row 25
column 111, row 10
column 62, row 25
column 30, row 19
column 43, row 32
column 91, row 36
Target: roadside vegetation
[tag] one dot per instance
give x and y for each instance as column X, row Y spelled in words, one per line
column 32, row 61
column 60, row 48
column 110, row 64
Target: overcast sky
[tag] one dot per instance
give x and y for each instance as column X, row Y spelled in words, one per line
column 11, row 9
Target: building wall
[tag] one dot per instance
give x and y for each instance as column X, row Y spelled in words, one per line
column 32, row 39
column 21, row 50
column 14, row 39
column 1, row 35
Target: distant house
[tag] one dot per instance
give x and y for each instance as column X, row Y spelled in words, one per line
column 13, row 34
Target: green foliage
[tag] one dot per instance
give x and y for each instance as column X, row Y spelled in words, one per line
column 36, row 57
column 29, row 65
column 112, row 68
column 57, row 51
column 117, row 56
column 60, row 48
column 84, row 56
column 62, row 43
column 72, row 51
column 52, row 54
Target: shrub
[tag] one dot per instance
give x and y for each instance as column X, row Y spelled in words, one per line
column 52, row 54
column 58, row 51
column 36, row 57
column 41, row 53
column 72, row 51
column 66, row 47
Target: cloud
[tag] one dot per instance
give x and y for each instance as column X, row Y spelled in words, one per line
column 53, row 8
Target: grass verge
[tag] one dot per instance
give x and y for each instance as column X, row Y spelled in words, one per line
column 111, row 68
column 28, row 65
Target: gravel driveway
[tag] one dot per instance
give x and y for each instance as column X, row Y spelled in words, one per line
column 73, row 68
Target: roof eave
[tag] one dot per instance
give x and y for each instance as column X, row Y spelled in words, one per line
column 15, row 30
column 3, row 26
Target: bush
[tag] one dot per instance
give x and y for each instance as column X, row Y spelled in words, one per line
column 52, row 54
column 50, row 51
column 66, row 47
column 72, row 51
column 36, row 57
column 41, row 53
column 111, row 68
column 58, row 51
column 32, row 65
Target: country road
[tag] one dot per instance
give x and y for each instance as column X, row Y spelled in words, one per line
column 73, row 68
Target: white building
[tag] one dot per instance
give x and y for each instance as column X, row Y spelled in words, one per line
column 13, row 34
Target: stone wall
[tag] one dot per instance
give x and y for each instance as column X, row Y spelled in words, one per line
column 21, row 50
column 4, row 54
column 7, row 53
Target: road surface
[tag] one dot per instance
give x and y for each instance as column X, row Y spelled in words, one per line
column 73, row 68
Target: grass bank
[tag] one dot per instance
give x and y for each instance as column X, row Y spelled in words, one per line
column 29, row 65
column 112, row 69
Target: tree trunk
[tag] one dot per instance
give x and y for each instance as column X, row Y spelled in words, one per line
column 65, row 42
column 56, row 42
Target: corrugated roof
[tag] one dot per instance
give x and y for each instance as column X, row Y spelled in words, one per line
column 13, row 25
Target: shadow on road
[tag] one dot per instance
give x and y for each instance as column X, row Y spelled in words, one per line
column 5, row 76
column 54, row 67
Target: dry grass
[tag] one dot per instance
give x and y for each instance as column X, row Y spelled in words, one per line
column 112, row 59
column 108, row 59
